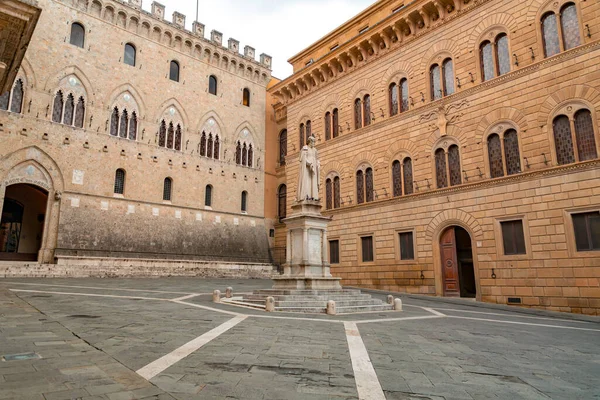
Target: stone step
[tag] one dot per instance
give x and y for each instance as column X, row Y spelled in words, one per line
column 312, row 298
column 355, row 309
column 275, row 292
column 365, row 302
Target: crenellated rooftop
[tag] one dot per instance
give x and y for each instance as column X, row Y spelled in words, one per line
column 136, row 19
column 319, row 63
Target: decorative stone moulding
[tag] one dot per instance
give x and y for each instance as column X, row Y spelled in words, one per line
column 198, row 28
column 136, row 4
column 249, row 52
column 179, row 19
column 216, row 37
column 233, row 45
column 158, row 10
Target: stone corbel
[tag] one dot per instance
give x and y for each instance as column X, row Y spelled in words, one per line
column 425, row 17
column 375, row 46
column 441, row 9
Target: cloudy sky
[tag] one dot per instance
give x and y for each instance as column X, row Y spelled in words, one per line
column 280, row 28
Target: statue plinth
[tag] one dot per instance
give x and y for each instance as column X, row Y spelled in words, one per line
column 307, row 259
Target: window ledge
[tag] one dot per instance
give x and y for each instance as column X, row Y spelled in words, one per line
column 208, row 208
column 118, row 196
column 167, row 202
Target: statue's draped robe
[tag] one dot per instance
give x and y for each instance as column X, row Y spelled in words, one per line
column 308, row 176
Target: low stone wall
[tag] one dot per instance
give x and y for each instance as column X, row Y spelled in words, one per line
column 78, row 267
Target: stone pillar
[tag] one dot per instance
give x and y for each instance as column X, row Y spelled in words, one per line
column 50, row 234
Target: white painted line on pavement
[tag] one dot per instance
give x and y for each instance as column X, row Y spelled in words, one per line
column 99, row 288
column 514, row 316
column 367, row 383
column 89, row 294
column 367, row 321
column 189, row 296
column 431, row 310
column 158, row 366
column 205, row 307
column 524, row 323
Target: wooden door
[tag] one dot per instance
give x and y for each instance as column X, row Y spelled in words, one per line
column 449, row 264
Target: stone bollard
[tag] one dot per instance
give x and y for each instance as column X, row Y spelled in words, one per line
column 390, row 299
column 331, row 307
column 217, row 296
column 398, row 304
column 270, row 304
column 229, row 292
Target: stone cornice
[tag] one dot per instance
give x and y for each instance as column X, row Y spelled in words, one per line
column 483, row 184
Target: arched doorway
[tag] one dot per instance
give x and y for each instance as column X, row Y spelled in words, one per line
column 22, row 222
column 458, row 273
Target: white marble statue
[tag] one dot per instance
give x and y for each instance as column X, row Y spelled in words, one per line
column 308, row 177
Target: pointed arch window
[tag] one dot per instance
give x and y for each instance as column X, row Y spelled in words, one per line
column 170, row 136
column 282, row 202
column 129, row 54
column 5, row 100
column 178, row 137
column 174, row 71
column 570, row 26
column 57, row 111
column 208, row 196
column 13, row 100
column 133, row 126
column 282, row 146
column 217, row 148
column 212, row 85
column 203, row 144
column 246, row 97
column 114, row 122
column 162, row 134
column 209, row 146
column 77, row 35
column 238, row 153
column 167, row 189
column 79, row 112
column 250, row 156
column 244, row 155
column 119, row 181
column 123, row 124
column 244, row 201
column 69, row 110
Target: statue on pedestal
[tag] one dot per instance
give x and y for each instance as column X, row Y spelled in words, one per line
column 308, row 176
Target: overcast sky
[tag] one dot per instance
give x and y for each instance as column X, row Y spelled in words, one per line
column 280, row 28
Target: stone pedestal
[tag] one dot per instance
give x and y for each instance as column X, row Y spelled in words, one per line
column 307, row 260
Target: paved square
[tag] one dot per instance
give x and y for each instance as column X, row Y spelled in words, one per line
column 165, row 339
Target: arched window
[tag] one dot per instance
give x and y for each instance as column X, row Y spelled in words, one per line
column 69, row 110
column 327, row 125
column 57, row 110
column 238, row 153
column 250, row 156
column 563, row 140
column 119, row 181
column 301, row 130
column 212, row 85
column 336, row 123
column 393, row 98
column 203, row 145
column 16, row 103
column 448, row 75
column 281, row 203
column 550, row 35
column 162, row 134
column 502, row 54
column 246, row 97
column 77, row 35
column 495, row 156
column 441, row 173
column 570, row 26
column 584, row 135
column 244, row 155
column 178, row 138
column 170, row 136
column 454, row 165
column 129, row 54
column 403, row 95
column 486, row 57
column 397, row 178
column 5, row 100
column 512, row 155
column 167, row 188
column 123, row 124
column 407, row 175
column 360, row 187
column 282, row 146
column 209, row 146
column 217, row 148
column 367, row 110
column 435, row 82
column 133, row 126
column 208, row 196
column 336, row 192
column 174, row 71
column 328, row 194
column 308, row 131
column 244, row 201
column 369, row 189
column 80, row 112
column 357, row 114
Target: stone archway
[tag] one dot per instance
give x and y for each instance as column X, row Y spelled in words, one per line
column 32, row 169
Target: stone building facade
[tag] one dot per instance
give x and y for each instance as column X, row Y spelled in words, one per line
column 131, row 145
column 459, row 143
